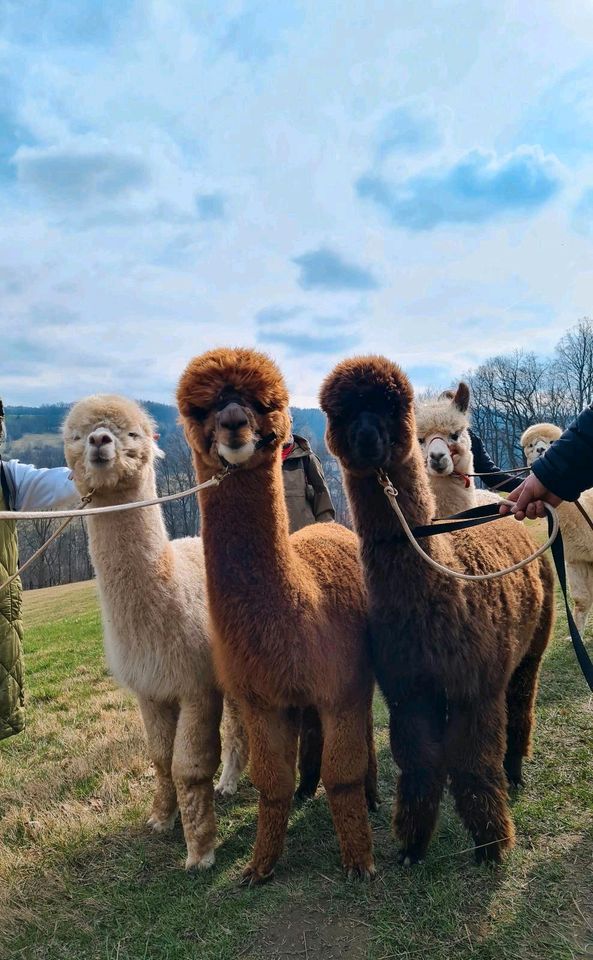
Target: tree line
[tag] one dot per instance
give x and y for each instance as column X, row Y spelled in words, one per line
column 509, row 393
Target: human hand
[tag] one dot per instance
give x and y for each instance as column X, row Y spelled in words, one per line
column 528, row 500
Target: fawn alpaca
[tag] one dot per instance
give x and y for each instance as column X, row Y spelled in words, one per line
column 288, row 612
column 453, row 659
column 154, row 619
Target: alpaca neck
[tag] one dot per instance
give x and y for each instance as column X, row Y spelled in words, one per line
column 246, row 539
column 384, row 543
column 129, row 539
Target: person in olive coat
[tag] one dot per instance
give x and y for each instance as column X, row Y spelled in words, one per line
column 305, row 489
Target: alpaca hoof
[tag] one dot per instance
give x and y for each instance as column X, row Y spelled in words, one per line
column 222, row 790
column 303, row 793
column 204, row 862
column 373, row 803
column 513, row 768
column 162, row 826
column 364, row 874
column 252, row 877
column 409, row 857
column 491, row 854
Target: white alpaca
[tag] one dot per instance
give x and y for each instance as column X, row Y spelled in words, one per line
column 153, row 604
column 576, row 533
column 446, row 445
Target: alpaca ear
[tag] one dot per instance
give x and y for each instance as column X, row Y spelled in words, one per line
column 158, row 453
column 446, row 395
column 461, row 398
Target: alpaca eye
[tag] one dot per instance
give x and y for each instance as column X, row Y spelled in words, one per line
column 421, row 440
column 454, row 436
column 134, row 436
column 77, row 437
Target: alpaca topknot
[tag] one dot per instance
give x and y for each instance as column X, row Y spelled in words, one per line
column 250, row 373
column 360, row 381
column 545, row 431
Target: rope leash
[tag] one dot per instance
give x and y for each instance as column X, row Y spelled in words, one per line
column 391, row 493
column 484, row 514
column 83, row 508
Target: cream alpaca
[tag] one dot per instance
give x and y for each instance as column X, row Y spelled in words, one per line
column 155, row 620
column 576, row 533
column 443, row 433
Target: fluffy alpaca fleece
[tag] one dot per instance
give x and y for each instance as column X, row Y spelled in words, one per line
column 152, row 594
column 288, row 611
column 451, row 657
column 443, row 434
column 576, row 533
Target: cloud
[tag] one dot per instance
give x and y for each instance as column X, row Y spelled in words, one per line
column 323, row 269
column 69, row 22
column 477, row 188
column 210, row 206
column 413, row 126
column 256, row 33
column 79, row 175
column 583, row 212
column 562, row 120
column 303, row 334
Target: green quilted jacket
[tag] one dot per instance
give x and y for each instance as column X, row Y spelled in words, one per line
column 12, row 711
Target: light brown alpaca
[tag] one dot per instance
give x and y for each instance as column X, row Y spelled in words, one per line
column 576, row 533
column 152, row 594
column 458, row 662
column 443, row 434
column 288, row 611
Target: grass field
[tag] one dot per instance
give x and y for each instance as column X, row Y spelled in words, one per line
column 81, row 878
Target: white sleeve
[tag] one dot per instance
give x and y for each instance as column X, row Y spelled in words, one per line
column 42, row 488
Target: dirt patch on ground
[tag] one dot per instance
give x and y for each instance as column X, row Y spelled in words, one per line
column 301, row 933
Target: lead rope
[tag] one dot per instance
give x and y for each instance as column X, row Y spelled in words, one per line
column 93, row 511
column 391, row 493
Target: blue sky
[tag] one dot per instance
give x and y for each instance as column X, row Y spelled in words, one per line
column 314, row 179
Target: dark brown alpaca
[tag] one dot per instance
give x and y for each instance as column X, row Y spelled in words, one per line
column 451, row 657
column 288, row 612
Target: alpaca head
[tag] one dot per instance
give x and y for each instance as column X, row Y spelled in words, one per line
column 109, row 443
column 230, row 400
column 370, row 418
column 443, row 432
column 536, row 440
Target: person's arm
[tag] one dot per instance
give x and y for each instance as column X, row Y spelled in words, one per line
column 323, row 508
column 483, row 463
column 42, row 488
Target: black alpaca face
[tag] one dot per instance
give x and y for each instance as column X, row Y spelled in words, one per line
column 369, row 441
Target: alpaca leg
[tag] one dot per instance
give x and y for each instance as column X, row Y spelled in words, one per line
column 273, row 738
column 196, row 756
column 416, row 731
column 160, row 722
column 310, row 747
column 520, row 717
column 475, row 751
column 580, row 581
column 235, row 749
column 344, row 767
column 370, row 783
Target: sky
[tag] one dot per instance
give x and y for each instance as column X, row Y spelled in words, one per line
column 314, row 179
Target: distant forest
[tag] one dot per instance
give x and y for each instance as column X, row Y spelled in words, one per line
column 509, row 393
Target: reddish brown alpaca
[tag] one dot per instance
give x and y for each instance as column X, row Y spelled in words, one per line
column 451, row 657
column 288, row 612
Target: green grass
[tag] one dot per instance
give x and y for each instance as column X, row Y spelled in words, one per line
column 81, row 878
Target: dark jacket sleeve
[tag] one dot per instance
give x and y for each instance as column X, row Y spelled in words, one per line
column 484, row 464
column 566, row 467
column 323, row 508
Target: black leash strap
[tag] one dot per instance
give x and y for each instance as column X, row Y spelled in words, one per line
column 488, row 512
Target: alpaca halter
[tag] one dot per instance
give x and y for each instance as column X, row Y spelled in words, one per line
column 438, row 438
column 391, row 493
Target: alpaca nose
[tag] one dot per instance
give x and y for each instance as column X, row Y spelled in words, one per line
column 437, row 459
column 540, row 451
column 233, row 417
column 100, row 439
